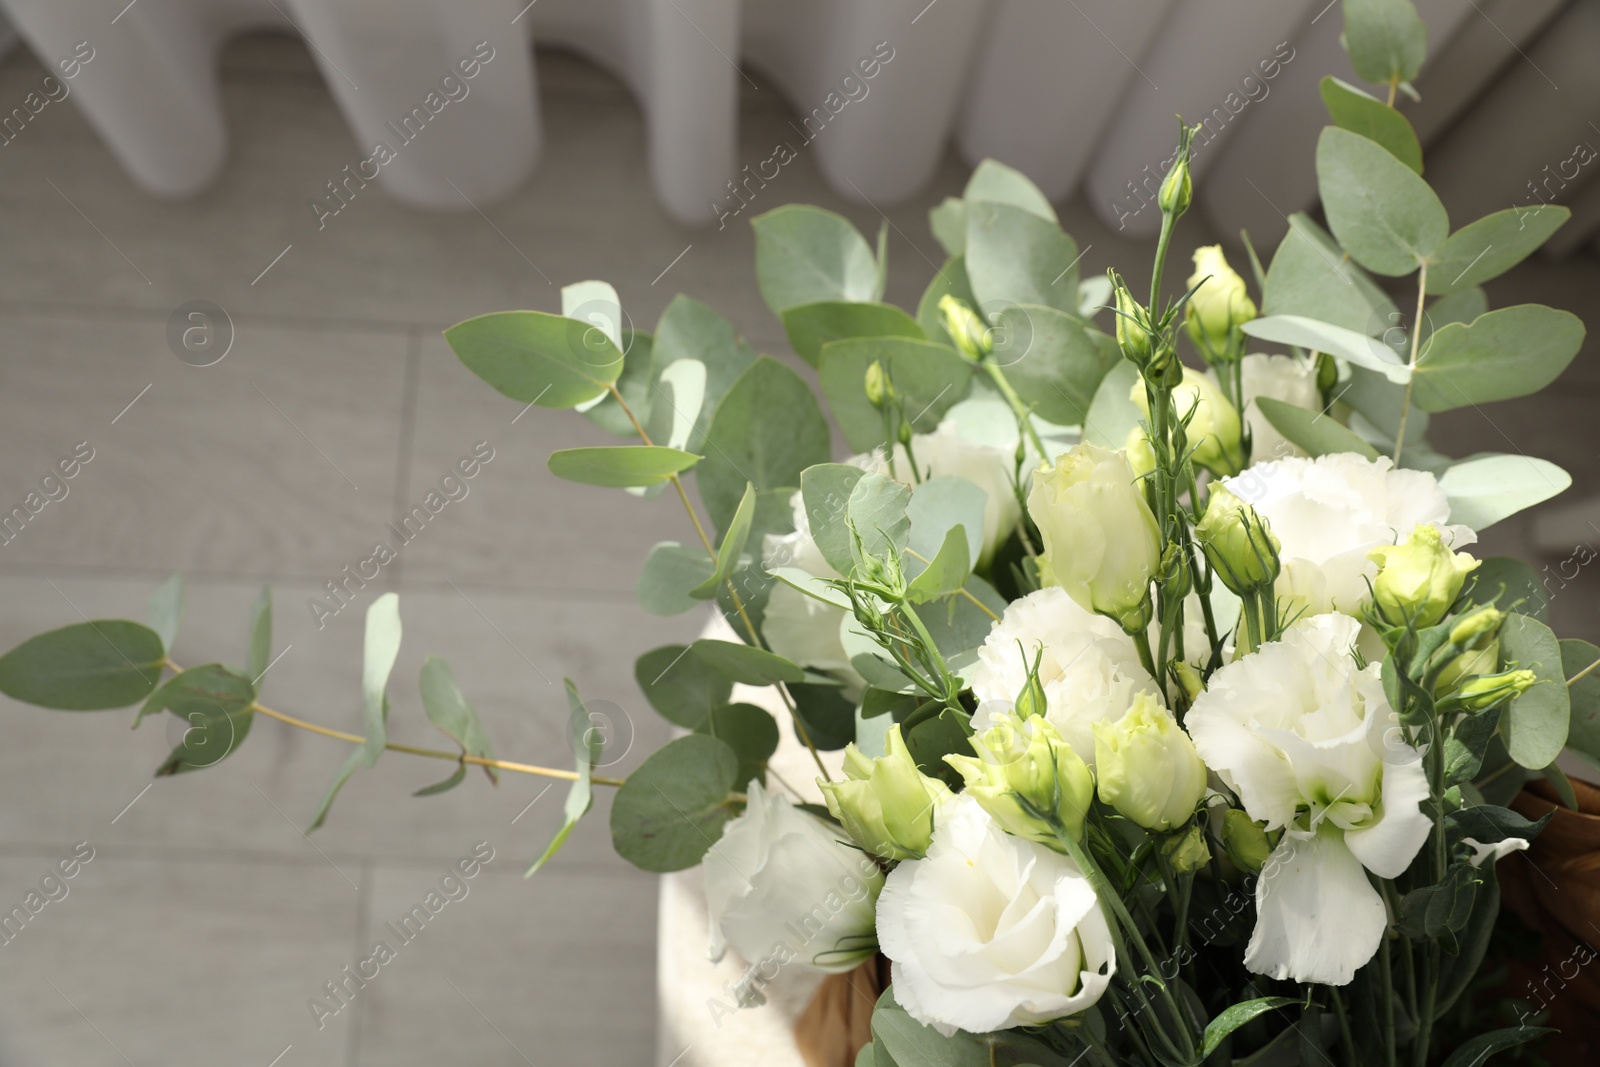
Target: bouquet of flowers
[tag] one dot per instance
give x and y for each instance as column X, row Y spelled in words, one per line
column 1179, row 724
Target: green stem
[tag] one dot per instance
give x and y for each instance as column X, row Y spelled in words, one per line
column 1024, row 421
column 1416, row 341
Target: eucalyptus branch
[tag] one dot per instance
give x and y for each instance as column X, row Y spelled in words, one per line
column 1416, row 341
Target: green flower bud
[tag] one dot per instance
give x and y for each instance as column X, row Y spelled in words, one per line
column 1246, row 840
column 879, row 390
column 1133, row 325
column 1489, row 691
column 1177, row 189
column 972, row 338
column 1032, row 702
column 1418, row 581
column 1187, row 851
column 886, row 805
column 1027, row 778
column 1221, row 303
column 1238, row 543
column 1214, row 430
column 1147, row 766
column 1470, row 629
column 1189, row 678
column 1473, row 661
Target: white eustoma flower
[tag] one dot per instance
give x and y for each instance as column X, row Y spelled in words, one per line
column 947, row 452
column 990, row 931
column 1287, row 378
column 1090, row 669
column 783, row 886
column 1312, row 748
column 1328, row 513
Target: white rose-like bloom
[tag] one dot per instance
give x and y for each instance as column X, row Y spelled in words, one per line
column 1328, row 513
column 782, row 885
column 1090, row 669
column 1312, row 747
column 990, row 931
column 1287, row 378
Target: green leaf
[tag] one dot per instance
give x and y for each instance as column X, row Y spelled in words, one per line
column 805, row 255
column 1050, row 360
column 750, row 731
column 939, row 504
column 810, row 326
column 1383, row 214
column 829, row 717
column 340, row 777
column 619, row 466
column 1464, row 969
column 1311, row 276
column 1583, row 733
column 1236, row 1016
column 1112, row 415
column 1464, row 748
column 732, row 544
column 682, row 688
column 877, row 511
column 1486, row 488
column 766, row 430
column 448, row 709
column 537, row 358
column 445, row 785
column 825, row 491
column 1535, row 724
column 166, row 609
column 260, row 634
column 1001, row 184
column 678, row 397
column 1359, row 112
column 745, row 664
column 948, row 571
column 1318, row 336
column 908, row 1041
column 929, row 377
column 948, row 221
column 1475, row 1051
column 596, row 305
column 1013, row 256
column 1379, row 401
column 1386, row 39
column 932, row 739
column 380, row 647
column 1491, row 246
column 215, row 701
column 1316, row 432
column 672, row 572
column 634, row 383
column 671, row 810
column 88, row 666
column 689, row 330
column 1440, row 911
column 1513, row 582
column 587, row 744
column 1507, row 353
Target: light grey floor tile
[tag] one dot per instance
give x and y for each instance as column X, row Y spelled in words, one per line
column 280, row 459
column 170, row 961
column 555, row 970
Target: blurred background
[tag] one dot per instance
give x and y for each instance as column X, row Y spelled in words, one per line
column 163, row 157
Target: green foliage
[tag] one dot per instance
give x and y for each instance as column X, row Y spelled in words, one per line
column 805, row 255
column 810, row 326
column 448, row 709
column 1491, row 246
column 678, row 401
column 620, row 466
column 215, row 701
column 672, row 572
column 1112, row 415
column 689, row 330
column 1360, row 112
column 1382, row 213
column 1317, row 336
column 166, row 609
column 1476, row 1050
column 1486, row 488
column 829, row 718
column 260, row 634
column 1315, row 432
column 88, row 666
column 876, row 515
column 929, row 377
column 634, row 383
column 380, row 647
column 1386, row 39
column 587, row 743
column 537, row 358
column 1503, row 354
column 1511, row 585
column 1440, row 911
column 1218, row 1029
column 1013, row 256
column 733, row 542
column 1311, row 277
column 750, row 731
column 673, row 807
column 938, row 506
column 766, row 430
column 681, row 687
column 745, row 664
column 1051, row 359
column 946, row 573
column 1535, row 724
column 1584, row 731
column 950, row 279
column 825, row 491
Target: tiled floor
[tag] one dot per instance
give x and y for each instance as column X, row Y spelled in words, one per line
column 206, row 921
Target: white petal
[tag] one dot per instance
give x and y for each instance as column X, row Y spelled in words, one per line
column 1318, row 919
column 1495, row 852
column 1387, row 847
